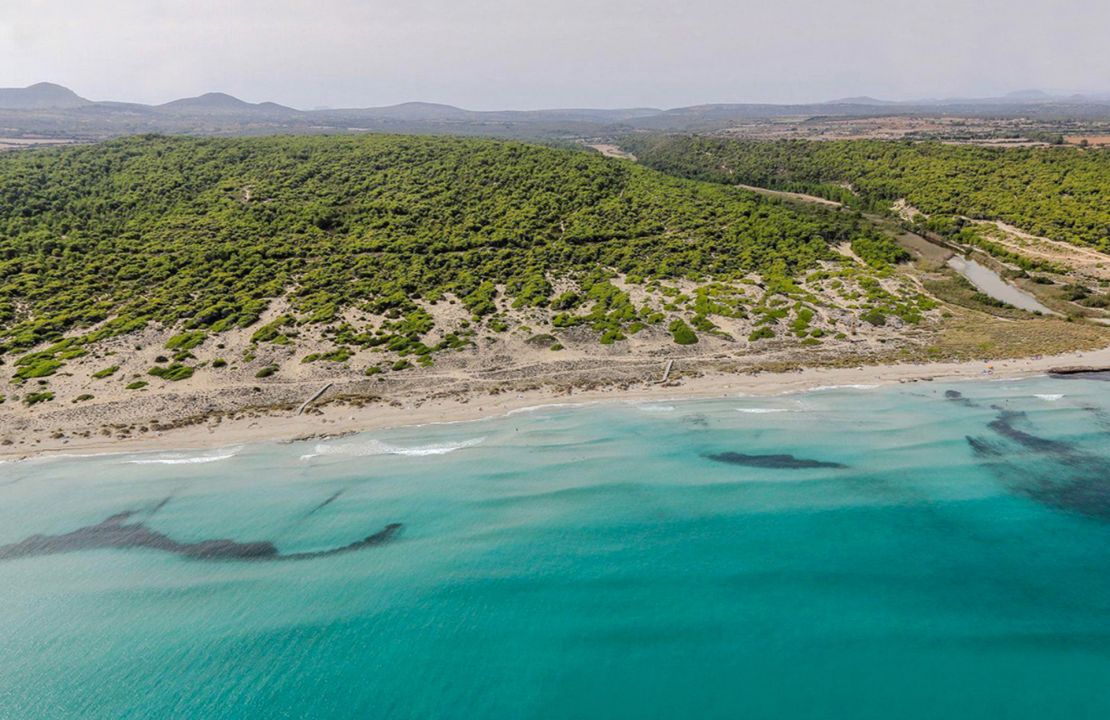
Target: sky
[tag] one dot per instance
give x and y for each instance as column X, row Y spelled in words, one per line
column 523, row 54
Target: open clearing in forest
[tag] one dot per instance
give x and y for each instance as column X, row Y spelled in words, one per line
column 612, row 151
column 1090, row 139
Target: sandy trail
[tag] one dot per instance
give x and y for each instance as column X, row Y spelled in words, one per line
column 783, row 195
column 1083, row 259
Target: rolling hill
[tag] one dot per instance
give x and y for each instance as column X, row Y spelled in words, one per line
column 403, row 248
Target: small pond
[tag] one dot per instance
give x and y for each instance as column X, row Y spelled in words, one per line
column 990, row 283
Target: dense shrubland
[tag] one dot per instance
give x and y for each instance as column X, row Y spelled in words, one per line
column 1057, row 192
column 353, row 240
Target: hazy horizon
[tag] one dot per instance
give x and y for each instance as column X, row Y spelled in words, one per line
column 433, row 101
column 495, row 54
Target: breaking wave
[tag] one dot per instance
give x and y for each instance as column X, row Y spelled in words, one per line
column 547, row 406
column 377, row 447
column 178, row 458
column 821, row 388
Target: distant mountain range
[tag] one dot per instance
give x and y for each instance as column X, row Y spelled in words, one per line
column 1019, row 97
column 221, row 103
column 42, row 96
column 52, row 110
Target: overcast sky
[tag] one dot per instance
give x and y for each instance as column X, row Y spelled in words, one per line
column 487, row 54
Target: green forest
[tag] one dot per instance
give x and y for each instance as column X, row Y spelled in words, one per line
column 1056, row 192
column 199, row 235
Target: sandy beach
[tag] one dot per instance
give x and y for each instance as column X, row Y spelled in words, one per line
column 341, row 416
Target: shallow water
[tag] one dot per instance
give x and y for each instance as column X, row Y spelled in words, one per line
column 990, row 283
column 919, row 551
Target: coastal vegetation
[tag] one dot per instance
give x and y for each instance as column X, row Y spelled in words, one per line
column 1055, row 192
column 202, row 236
column 224, row 274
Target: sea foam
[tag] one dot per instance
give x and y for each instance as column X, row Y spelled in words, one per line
column 377, row 447
column 857, row 386
column 177, row 458
column 548, row 406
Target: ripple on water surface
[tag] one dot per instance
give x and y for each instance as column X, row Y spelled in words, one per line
column 914, row 551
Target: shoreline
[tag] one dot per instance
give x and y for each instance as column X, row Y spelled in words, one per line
column 331, row 420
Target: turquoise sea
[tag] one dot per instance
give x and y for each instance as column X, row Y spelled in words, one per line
column 916, row 551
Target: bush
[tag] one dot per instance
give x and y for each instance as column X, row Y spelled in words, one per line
column 1096, row 301
column 984, row 299
column 874, row 317
column 138, row 385
column 38, row 369
column 879, row 251
column 682, row 333
column 703, row 323
column 173, row 373
column 186, row 340
column 761, row 333
column 804, row 317
column 266, row 371
column 106, row 372
column 338, row 355
column 1075, row 292
column 566, row 301
column 38, row 397
column 271, row 332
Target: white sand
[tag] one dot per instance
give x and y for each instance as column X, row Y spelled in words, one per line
column 337, row 419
